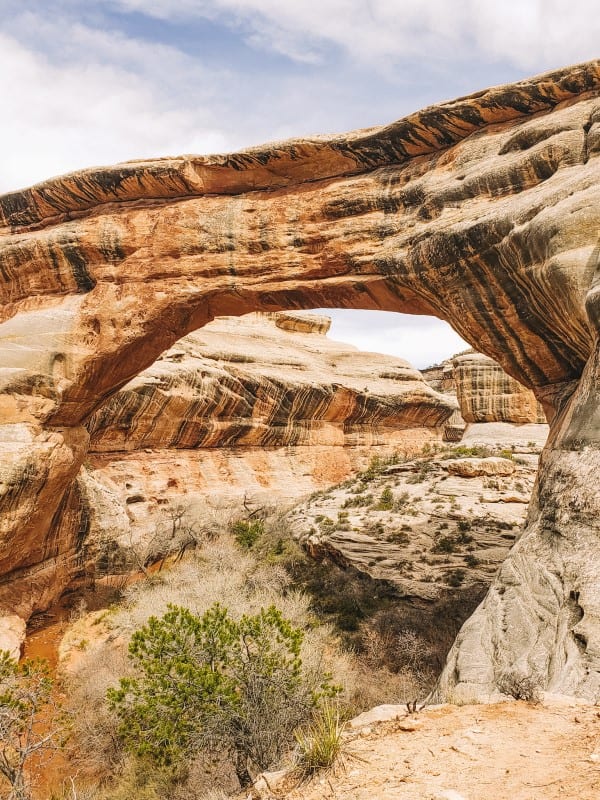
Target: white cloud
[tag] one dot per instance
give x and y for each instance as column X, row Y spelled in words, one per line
column 422, row 341
column 103, row 99
column 74, row 95
column 531, row 34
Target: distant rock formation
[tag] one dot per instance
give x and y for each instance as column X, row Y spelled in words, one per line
column 487, row 394
column 269, row 381
column 264, row 407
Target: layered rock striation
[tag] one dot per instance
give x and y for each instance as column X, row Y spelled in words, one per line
column 269, row 381
column 483, row 211
column 486, row 393
column 492, row 405
column 448, row 212
column 258, row 408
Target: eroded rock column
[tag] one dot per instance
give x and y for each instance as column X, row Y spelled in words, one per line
column 541, row 618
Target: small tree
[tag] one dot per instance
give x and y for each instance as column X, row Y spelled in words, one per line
column 177, row 531
column 214, row 683
column 248, row 532
column 386, row 501
column 28, row 722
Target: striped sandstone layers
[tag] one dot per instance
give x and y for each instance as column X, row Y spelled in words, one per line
column 486, row 393
column 262, row 407
column 269, row 381
column 483, row 211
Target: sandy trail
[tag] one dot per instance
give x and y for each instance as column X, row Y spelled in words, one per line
column 506, row 751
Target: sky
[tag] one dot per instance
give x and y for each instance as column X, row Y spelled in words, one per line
column 91, row 82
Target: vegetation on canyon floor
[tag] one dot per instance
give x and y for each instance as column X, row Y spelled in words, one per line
column 241, row 653
column 253, row 670
column 213, row 684
column 29, row 723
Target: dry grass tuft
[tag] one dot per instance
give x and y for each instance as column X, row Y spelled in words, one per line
column 320, row 744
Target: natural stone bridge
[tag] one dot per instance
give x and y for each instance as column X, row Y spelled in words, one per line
column 483, row 211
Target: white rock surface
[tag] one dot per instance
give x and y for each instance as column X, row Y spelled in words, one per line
column 12, row 634
column 383, row 713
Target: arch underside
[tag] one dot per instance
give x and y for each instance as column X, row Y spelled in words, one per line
column 483, row 212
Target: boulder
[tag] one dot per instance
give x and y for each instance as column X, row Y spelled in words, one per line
column 475, row 467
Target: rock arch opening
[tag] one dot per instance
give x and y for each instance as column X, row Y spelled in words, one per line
column 421, row 340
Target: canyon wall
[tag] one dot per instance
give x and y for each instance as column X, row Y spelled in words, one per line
column 268, row 381
column 263, row 408
column 482, row 211
column 486, row 393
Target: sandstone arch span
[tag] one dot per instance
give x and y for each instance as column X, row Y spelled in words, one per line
column 483, row 211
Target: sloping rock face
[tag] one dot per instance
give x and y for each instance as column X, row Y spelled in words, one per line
column 269, row 381
column 425, row 525
column 483, row 211
column 261, row 407
column 487, row 394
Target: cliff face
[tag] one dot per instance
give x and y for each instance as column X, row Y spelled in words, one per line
column 488, row 397
column 263, row 407
column 541, row 616
column 486, row 393
column 267, row 381
column 484, row 211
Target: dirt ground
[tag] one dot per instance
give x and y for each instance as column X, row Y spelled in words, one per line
column 505, row 751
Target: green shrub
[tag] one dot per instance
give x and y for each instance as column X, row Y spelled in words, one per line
column 447, row 544
column 248, row 532
column 398, row 537
column 475, row 451
column 377, row 465
column 456, row 577
column 359, row 500
column 343, row 522
column 402, row 501
column 376, row 528
column 386, row 501
column 374, row 468
column 212, row 683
